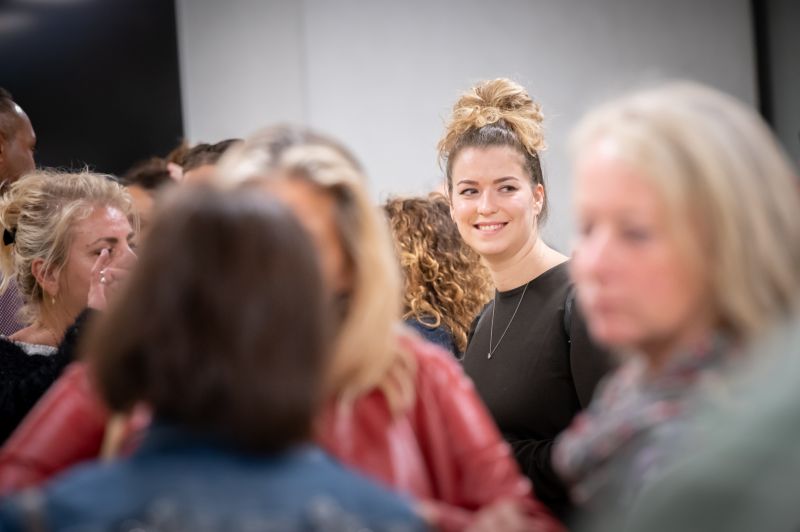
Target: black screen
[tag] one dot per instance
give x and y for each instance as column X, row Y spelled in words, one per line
column 99, row 79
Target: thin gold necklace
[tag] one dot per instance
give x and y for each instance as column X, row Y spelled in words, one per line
column 514, row 315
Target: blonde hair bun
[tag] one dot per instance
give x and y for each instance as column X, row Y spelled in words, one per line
column 493, row 101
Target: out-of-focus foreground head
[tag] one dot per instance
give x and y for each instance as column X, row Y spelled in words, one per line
column 722, row 194
column 325, row 186
column 222, row 328
column 17, row 140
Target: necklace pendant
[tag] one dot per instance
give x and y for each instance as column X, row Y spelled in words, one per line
column 489, row 355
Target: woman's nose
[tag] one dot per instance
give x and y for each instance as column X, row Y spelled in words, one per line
column 486, row 203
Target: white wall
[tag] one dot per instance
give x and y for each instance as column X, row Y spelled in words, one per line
column 382, row 75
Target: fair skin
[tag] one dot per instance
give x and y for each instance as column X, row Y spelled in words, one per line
column 99, row 257
column 16, row 153
column 142, row 203
column 316, row 210
column 637, row 285
column 202, row 174
column 495, row 206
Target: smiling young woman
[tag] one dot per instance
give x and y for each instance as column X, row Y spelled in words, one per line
column 529, row 354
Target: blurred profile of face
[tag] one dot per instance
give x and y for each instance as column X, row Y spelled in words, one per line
column 494, row 203
column 316, row 210
column 143, row 204
column 201, row 174
column 636, row 282
column 105, row 228
column 16, row 152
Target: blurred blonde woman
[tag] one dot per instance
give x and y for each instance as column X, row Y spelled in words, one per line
column 66, row 240
column 446, row 284
column 398, row 408
column 689, row 249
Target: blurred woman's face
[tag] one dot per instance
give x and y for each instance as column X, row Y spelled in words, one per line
column 635, row 282
column 316, row 210
column 493, row 203
column 105, row 228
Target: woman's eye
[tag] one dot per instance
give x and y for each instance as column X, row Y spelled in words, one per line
column 636, row 234
column 508, row 188
column 468, row 192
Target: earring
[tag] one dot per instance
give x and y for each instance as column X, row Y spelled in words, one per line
column 53, row 300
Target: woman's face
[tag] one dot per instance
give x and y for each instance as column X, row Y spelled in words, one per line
column 636, row 282
column 493, row 203
column 105, row 228
column 316, row 210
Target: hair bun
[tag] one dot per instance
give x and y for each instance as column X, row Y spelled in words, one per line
column 491, row 102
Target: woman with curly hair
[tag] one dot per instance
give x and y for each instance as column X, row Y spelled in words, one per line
column 446, row 284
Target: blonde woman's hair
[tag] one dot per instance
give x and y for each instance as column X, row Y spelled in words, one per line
column 445, row 281
column 732, row 193
column 37, row 214
column 497, row 112
column 366, row 354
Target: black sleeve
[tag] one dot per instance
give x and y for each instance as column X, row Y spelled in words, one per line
column 25, row 378
column 533, row 457
column 589, row 363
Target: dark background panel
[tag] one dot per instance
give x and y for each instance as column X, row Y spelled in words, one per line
column 99, row 79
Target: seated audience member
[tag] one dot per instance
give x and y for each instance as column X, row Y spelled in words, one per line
column 17, row 143
column 446, row 284
column 143, row 181
column 396, row 407
column 199, row 161
column 228, row 352
column 66, row 240
column 689, row 249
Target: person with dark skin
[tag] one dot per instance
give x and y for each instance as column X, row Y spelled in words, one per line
column 17, row 140
column 17, row 143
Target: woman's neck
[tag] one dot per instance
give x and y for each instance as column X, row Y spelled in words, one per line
column 529, row 263
column 47, row 329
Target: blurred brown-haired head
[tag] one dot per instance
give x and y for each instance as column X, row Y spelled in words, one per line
column 222, row 328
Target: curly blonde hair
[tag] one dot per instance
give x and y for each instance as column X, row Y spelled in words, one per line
column 497, row 112
column 445, row 280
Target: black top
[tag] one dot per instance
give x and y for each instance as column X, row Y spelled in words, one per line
column 539, row 376
column 25, row 378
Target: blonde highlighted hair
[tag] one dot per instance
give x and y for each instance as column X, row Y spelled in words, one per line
column 38, row 213
column 497, row 112
column 445, row 281
column 732, row 192
column 366, row 354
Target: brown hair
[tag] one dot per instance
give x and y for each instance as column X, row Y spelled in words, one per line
column 40, row 210
column 150, row 174
column 222, row 326
column 496, row 112
column 445, row 280
column 202, row 154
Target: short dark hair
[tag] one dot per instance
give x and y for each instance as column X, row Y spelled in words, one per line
column 150, row 174
column 8, row 115
column 223, row 326
column 202, row 154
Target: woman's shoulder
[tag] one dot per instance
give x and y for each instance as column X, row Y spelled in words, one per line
column 434, row 365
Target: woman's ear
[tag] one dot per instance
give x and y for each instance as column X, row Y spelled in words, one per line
column 538, row 198
column 46, row 277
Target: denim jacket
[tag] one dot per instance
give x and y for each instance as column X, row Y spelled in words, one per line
column 179, row 481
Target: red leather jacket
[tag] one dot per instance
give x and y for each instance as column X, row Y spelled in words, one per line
column 445, row 450
column 65, row 427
